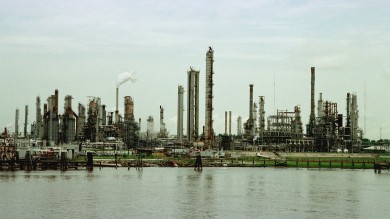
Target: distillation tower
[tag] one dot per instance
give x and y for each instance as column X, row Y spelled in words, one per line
column 180, row 111
column 193, row 105
column 163, row 131
column 208, row 131
column 69, row 121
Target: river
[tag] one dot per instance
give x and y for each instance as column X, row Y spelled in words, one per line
column 184, row 193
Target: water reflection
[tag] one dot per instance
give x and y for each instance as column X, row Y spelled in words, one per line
column 184, row 193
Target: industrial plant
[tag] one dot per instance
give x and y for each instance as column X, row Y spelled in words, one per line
column 91, row 126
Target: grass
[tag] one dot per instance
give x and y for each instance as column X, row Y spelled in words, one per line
column 301, row 162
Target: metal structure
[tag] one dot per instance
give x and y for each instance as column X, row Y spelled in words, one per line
column 193, row 105
column 163, row 131
column 180, row 111
column 150, row 127
column 51, row 119
column 249, row 125
column 91, row 129
column 38, row 132
column 16, row 123
column 261, row 126
column 80, row 122
column 230, row 123
column 353, row 134
column 311, row 125
column 326, row 131
column 226, row 122
column 129, row 108
column 208, row 130
column 281, row 127
column 7, row 148
column 116, row 106
column 239, row 126
column 69, row 121
column 25, row 120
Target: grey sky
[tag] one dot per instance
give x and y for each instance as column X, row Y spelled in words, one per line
column 80, row 47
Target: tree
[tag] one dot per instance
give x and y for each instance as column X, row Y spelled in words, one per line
column 130, row 133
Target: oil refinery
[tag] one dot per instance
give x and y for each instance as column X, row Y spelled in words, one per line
column 328, row 128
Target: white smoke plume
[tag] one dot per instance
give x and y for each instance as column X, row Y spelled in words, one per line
column 125, row 76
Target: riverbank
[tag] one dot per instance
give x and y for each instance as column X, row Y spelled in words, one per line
column 232, row 159
column 263, row 159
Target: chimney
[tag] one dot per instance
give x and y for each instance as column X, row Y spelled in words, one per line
column 116, row 109
column 226, row 122
column 230, row 123
column 312, row 106
column 251, row 101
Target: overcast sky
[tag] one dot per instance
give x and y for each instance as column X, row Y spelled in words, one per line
column 80, row 47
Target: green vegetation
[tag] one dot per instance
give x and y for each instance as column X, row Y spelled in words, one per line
column 252, row 161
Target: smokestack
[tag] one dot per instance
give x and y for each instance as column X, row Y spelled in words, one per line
column 25, row 121
column 116, row 109
column 226, row 122
column 56, row 102
column 239, row 125
column 230, row 123
column 312, row 106
column 16, row 123
column 180, row 110
column 251, row 101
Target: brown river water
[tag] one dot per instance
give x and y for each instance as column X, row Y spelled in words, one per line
column 184, row 193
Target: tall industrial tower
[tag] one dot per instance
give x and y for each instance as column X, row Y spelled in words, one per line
column 25, row 120
column 180, row 110
column 250, row 125
column 80, row 122
column 193, row 105
column 16, row 123
column 163, row 131
column 239, row 126
column 38, row 133
column 310, row 126
column 129, row 108
column 209, row 98
column 69, row 121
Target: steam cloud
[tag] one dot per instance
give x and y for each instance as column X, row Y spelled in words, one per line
column 125, row 76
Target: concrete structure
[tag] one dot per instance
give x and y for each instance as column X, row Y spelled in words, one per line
column 180, row 111
column 208, row 130
column 193, row 105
